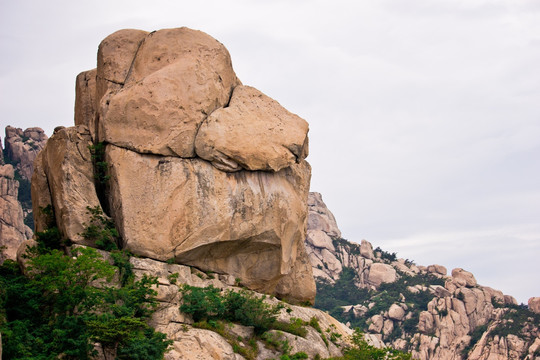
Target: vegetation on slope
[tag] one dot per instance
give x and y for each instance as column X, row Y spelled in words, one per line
column 65, row 304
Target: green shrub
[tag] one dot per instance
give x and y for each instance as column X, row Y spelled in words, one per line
column 241, row 307
column 58, row 310
column 295, row 326
column 361, row 350
column 101, row 167
column 101, row 230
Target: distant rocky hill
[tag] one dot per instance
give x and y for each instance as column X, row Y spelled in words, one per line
column 418, row 309
column 16, row 168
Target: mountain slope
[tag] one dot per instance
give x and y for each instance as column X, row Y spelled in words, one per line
column 414, row 308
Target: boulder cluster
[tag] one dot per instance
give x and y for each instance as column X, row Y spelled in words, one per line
column 461, row 318
column 21, row 148
column 192, row 166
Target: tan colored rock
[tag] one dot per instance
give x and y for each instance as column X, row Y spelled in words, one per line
column 388, row 327
column 510, row 300
column 178, row 77
column 366, row 250
column 115, row 57
column 298, row 286
column 381, row 273
column 467, row 277
column 396, row 312
column 197, row 344
column 41, row 196
column 425, row 322
column 22, row 148
column 13, row 231
column 320, row 239
column 85, row 100
column 494, row 294
column 246, row 224
column 260, row 134
column 331, row 262
column 436, row 269
column 320, row 217
column 376, row 324
column 67, row 164
column 312, row 344
column 534, row 304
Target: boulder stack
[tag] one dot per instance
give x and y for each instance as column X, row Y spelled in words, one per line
column 199, row 169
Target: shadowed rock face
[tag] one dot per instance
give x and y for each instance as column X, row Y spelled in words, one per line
column 12, row 229
column 203, row 170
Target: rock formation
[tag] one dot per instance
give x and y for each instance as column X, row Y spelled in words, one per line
column 534, row 304
column 13, row 231
column 192, row 166
column 421, row 310
column 16, row 168
column 22, row 147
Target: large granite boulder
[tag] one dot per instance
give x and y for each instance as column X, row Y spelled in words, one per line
column 151, row 100
column 176, row 79
column 259, row 134
column 65, row 172
column 247, row 224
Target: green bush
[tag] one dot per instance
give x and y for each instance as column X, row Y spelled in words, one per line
column 361, row 350
column 58, row 310
column 101, row 230
column 241, row 307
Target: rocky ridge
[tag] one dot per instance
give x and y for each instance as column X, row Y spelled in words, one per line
column 16, row 168
column 415, row 308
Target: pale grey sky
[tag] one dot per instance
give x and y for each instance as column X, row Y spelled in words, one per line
column 424, row 114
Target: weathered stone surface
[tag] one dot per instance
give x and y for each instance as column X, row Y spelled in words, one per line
column 22, row 148
column 510, row 300
column 254, row 132
column 376, row 323
column 246, row 224
column 198, row 344
column 13, row 231
column 115, row 57
column 190, row 342
column 41, row 196
column 366, row 250
column 436, row 269
column 534, row 304
column 320, row 217
column 298, row 286
column 178, row 77
column 396, row 312
column 381, row 273
column 85, row 100
column 467, row 277
column 67, row 164
column 320, row 239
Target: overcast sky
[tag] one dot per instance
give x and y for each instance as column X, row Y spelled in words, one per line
column 424, row 114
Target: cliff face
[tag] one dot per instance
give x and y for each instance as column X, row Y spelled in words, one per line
column 423, row 310
column 13, row 231
column 16, row 168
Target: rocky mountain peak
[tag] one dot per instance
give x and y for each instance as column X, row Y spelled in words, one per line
column 418, row 309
